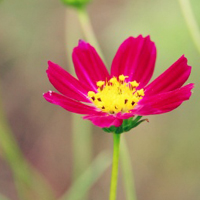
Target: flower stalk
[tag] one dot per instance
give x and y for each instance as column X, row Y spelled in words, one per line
column 87, row 29
column 115, row 164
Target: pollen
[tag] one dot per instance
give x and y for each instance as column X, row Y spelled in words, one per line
column 116, row 95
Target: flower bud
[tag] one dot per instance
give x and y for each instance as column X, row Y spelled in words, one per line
column 75, row 3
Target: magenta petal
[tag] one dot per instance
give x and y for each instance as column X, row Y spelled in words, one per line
column 164, row 102
column 88, row 65
column 69, row 104
column 124, row 115
column 104, row 120
column 66, row 83
column 135, row 58
column 174, row 77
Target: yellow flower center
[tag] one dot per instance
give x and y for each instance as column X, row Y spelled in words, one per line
column 116, row 95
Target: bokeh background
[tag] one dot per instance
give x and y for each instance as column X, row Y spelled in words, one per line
column 164, row 152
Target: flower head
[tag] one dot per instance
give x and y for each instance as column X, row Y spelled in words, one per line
column 108, row 99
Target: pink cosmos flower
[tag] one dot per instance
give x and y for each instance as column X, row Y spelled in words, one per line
column 106, row 98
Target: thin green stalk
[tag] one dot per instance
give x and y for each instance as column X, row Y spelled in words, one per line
column 88, row 30
column 82, row 145
column 13, row 156
column 114, row 176
column 28, row 182
column 127, row 171
column 191, row 22
column 81, row 140
column 81, row 186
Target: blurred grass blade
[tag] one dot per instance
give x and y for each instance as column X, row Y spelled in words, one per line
column 191, row 22
column 28, row 182
column 81, row 139
column 88, row 178
column 2, row 197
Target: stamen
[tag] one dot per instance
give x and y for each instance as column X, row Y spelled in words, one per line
column 112, row 81
column 134, row 84
column 100, row 83
column 116, row 95
column 122, row 77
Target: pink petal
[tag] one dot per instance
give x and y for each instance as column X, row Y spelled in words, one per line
column 88, row 65
column 66, row 84
column 164, row 102
column 135, row 58
column 173, row 78
column 69, row 104
column 124, row 115
column 104, row 120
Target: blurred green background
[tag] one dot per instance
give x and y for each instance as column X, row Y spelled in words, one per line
column 164, row 152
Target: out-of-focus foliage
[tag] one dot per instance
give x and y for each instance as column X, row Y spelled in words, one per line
column 75, row 3
column 164, row 152
column 88, row 178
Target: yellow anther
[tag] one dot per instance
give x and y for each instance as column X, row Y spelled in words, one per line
column 100, row 83
column 134, row 84
column 113, row 80
column 116, row 95
column 122, row 77
column 91, row 93
column 140, row 92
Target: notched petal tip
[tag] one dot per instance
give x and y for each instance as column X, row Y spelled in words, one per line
column 130, row 38
column 81, row 42
column 50, row 64
column 48, row 94
column 189, row 88
column 82, row 45
column 141, row 37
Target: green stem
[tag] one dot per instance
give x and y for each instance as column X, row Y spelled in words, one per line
column 88, row 30
column 113, row 186
column 127, row 171
column 81, row 158
column 191, row 22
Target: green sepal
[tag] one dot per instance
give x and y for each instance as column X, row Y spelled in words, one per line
column 75, row 3
column 126, row 126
